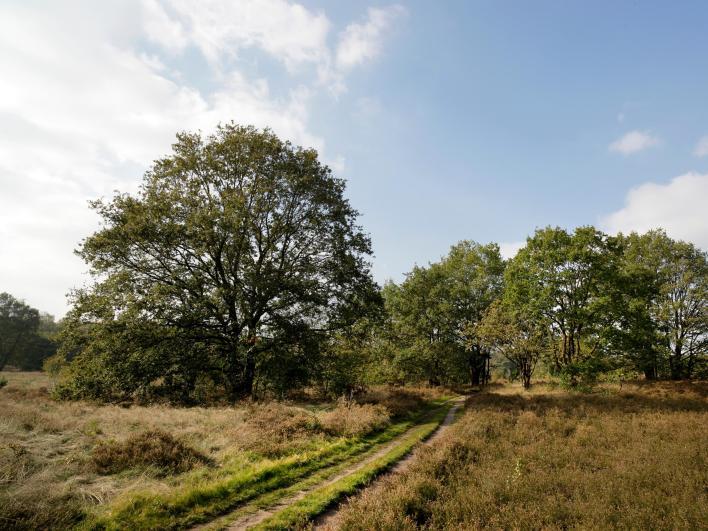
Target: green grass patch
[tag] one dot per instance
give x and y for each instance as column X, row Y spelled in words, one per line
column 319, row 500
column 201, row 498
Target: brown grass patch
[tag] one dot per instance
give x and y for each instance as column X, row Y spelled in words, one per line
column 629, row 460
column 350, row 419
column 152, row 448
column 48, row 477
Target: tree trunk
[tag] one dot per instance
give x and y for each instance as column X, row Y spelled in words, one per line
column 249, row 374
column 675, row 362
column 526, row 374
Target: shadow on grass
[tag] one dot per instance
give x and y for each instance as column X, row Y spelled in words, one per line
column 639, row 397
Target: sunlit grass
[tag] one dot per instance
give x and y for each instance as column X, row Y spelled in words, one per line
column 630, row 459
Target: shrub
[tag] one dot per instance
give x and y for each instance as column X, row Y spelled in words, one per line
column 274, row 429
column 3, row 382
column 39, row 505
column 398, row 402
column 149, row 448
column 351, row 419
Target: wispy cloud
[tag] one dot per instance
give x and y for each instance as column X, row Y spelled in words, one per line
column 361, row 42
column 701, row 149
column 634, row 142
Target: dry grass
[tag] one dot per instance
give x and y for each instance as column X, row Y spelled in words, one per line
column 354, row 419
column 630, row 459
column 49, row 476
column 151, row 448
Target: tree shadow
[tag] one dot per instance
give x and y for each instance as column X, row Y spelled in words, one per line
column 658, row 397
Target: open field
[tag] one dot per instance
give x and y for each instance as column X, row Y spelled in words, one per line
column 635, row 458
column 64, row 464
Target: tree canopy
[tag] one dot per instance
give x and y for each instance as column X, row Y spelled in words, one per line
column 236, row 258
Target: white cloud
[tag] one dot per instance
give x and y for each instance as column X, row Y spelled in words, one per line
column 677, row 206
column 86, row 107
column 509, row 249
column 701, row 149
column 220, row 29
column 362, row 42
column 633, row 142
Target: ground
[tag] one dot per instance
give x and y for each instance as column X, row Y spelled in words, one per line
column 630, row 457
column 69, row 463
column 635, row 458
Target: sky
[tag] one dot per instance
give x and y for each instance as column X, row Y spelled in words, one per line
column 468, row 119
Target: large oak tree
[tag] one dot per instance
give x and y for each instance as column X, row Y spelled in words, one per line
column 238, row 254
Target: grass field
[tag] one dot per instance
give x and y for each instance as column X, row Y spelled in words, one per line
column 628, row 458
column 65, row 464
column 635, row 458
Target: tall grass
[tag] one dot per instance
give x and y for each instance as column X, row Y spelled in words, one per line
column 62, row 463
column 636, row 459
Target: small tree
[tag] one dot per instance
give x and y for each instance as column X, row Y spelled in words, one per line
column 565, row 280
column 520, row 340
column 18, row 327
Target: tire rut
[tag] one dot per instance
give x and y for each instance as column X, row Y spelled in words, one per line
column 260, row 516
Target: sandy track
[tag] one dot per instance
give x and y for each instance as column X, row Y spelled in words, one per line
column 327, row 521
column 256, row 518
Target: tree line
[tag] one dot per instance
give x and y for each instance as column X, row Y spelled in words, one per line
column 239, row 269
column 27, row 336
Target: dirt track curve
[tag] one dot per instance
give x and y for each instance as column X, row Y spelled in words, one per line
column 326, row 520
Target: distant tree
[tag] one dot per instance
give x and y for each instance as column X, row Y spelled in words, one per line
column 514, row 336
column 238, row 254
column 432, row 311
column 39, row 346
column 18, row 326
column 565, row 280
column 669, row 304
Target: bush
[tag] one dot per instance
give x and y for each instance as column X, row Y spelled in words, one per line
column 583, row 375
column 274, row 429
column 3, row 382
column 149, row 448
column 398, row 402
column 353, row 419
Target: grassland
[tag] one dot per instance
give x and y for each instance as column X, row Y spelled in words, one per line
column 635, row 458
column 65, row 464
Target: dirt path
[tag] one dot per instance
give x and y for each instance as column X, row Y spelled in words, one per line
column 256, row 518
column 328, row 520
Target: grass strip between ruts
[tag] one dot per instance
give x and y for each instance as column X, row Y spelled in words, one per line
column 204, row 501
column 319, row 500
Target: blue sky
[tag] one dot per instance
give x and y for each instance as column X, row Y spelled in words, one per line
column 449, row 120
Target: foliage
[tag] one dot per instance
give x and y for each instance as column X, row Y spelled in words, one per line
column 565, row 280
column 665, row 330
column 20, row 343
column 516, row 337
column 238, row 256
column 432, row 310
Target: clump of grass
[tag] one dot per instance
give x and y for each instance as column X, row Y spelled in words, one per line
column 39, row 505
column 399, row 402
column 274, row 429
column 350, row 419
column 151, row 448
column 3, row 382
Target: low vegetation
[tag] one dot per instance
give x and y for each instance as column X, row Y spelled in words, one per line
column 630, row 459
column 63, row 463
column 149, row 448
